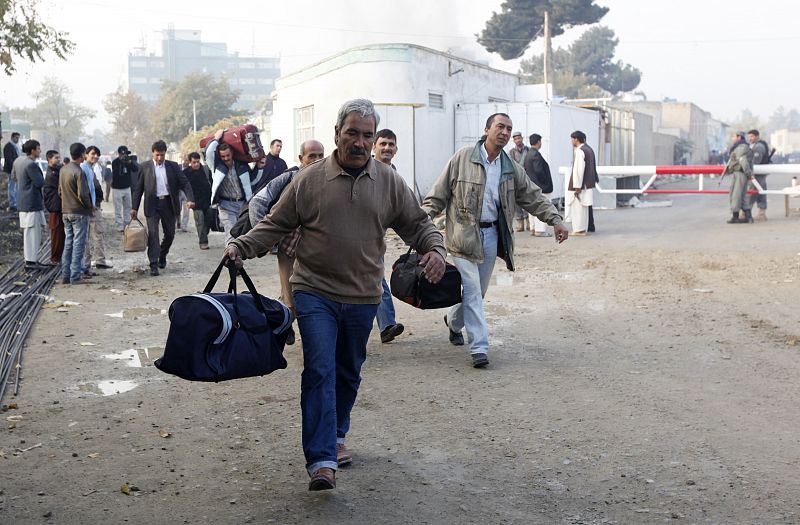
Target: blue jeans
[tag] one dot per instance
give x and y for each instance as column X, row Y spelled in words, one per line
column 334, row 348
column 475, row 279
column 386, row 309
column 12, row 191
column 76, row 230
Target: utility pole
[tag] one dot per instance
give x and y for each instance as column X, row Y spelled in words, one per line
column 194, row 115
column 548, row 68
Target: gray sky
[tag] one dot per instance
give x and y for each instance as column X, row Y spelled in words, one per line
column 722, row 55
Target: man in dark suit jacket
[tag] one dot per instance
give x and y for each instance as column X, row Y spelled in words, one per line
column 160, row 182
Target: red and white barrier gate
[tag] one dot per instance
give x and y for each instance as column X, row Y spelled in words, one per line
column 700, row 171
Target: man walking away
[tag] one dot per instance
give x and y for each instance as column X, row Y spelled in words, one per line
column 344, row 204
column 52, row 202
column 230, row 182
column 122, row 170
column 96, row 244
column 580, row 190
column 518, row 154
column 76, row 207
column 740, row 167
column 480, row 190
column 159, row 183
column 274, row 165
column 199, row 178
column 538, row 171
column 385, row 149
column 30, row 202
column 11, row 151
column 760, row 156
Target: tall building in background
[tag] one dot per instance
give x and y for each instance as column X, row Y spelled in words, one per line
column 183, row 52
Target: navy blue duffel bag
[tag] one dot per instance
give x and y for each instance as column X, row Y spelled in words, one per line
column 221, row 336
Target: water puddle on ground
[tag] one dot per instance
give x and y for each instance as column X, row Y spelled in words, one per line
column 138, row 357
column 107, row 388
column 504, row 279
column 132, row 313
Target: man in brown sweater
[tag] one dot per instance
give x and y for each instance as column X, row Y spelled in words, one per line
column 344, row 204
column 76, row 208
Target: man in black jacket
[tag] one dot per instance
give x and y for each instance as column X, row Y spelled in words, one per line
column 10, row 153
column 538, row 171
column 52, row 202
column 199, row 177
column 123, row 170
column 160, row 182
column 274, row 165
column 29, row 202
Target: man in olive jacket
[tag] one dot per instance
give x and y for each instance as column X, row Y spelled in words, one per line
column 480, row 190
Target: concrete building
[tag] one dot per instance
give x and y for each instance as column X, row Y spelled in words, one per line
column 183, row 52
column 684, row 121
column 416, row 91
column 785, row 141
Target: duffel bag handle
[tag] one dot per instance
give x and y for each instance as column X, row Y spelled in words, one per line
column 232, row 271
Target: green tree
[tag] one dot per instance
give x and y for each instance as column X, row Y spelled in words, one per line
column 57, row 115
column 681, row 151
column 520, row 22
column 172, row 115
column 783, row 119
column 130, row 120
column 587, row 68
column 745, row 121
column 24, row 36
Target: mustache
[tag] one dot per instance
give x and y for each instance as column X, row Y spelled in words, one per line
column 356, row 150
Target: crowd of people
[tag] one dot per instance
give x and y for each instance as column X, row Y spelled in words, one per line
column 326, row 220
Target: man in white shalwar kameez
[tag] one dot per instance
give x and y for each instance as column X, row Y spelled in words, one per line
column 580, row 184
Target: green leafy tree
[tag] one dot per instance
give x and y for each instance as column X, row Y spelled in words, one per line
column 746, row 121
column 24, row 36
column 172, row 115
column 587, row 68
column 130, row 120
column 783, row 119
column 57, row 115
column 520, row 22
column 681, row 151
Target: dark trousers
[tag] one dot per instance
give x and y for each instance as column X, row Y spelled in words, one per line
column 201, row 223
column 591, row 220
column 158, row 251
column 57, row 236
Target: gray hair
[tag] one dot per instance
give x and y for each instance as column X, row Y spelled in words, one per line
column 362, row 106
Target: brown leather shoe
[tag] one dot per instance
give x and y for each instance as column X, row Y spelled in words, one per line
column 322, row 479
column 343, row 456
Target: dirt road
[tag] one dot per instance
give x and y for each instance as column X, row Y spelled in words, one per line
column 644, row 374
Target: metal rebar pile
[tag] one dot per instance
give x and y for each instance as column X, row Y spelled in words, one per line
column 22, row 294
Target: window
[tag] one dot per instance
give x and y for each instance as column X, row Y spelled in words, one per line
column 303, row 126
column 435, row 100
column 157, row 63
column 155, row 80
column 266, row 81
column 137, row 63
column 244, row 81
column 247, row 65
column 138, row 80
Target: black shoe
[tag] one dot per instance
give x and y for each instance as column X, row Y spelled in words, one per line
column 103, row 266
column 34, row 265
column 456, row 339
column 390, row 332
column 154, row 270
column 290, row 338
column 479, row 360
column 162, row 264
column 734, row 219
